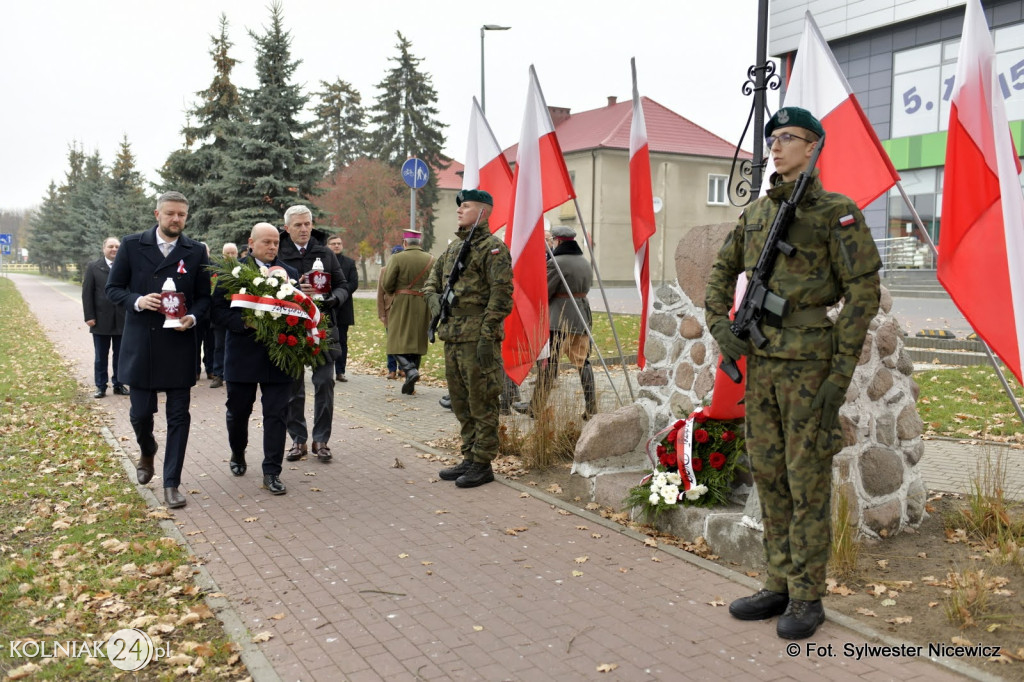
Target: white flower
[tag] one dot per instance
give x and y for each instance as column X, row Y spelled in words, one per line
column 238, row 269
column 272, row 281
column 259, row 313
column 695, row 492
column 242, row 290
column 274, row 315
column 264, row 270
column 675, row 479
column 661, row 478
column 670, row 493
column 257, row 281
column 285, row 291
column 653, row 499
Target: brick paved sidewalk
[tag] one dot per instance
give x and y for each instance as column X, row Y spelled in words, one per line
column 365, row 571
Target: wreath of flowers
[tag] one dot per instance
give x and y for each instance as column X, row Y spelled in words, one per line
column 697, row 460
column 286, row 320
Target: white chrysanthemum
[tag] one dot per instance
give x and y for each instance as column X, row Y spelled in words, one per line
column 264, row 270
column 242, row 290
column 257, row 281
column 237, row 270
column 272, row 281
column 675, row 479
column 654, row 498
column 274, row 315
column 670, row 493
column 661, row 478
column 696, row 491
column 259, row 313
column 285, row 290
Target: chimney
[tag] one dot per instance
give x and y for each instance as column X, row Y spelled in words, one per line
column 558, row 114
column 612, row 99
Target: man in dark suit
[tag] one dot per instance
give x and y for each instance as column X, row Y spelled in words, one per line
column 155, row 358
column 301, row 246
column 247, row 365
column 104, row 319
column 344, row 316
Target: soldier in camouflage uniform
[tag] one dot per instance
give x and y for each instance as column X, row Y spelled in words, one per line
column 473, row 334
column 797, row 382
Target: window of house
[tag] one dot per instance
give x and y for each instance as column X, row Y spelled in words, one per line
column 718, row 189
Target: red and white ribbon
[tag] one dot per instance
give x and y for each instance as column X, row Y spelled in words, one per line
column 303, row 307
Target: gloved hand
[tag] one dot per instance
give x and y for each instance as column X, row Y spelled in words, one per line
column 485, row 352
column 434, row 303
column 830, row 398
column 731, row 346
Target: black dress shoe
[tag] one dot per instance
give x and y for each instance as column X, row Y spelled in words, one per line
column 174, row 499
column 237, row 464
column 273, row 484
column 341, row 377
column 144, row 469
column 801, row 619
column 411, row 377
column 760, row 606
column 296, row 452
column 121, row 389
column 478, row 474
column 217, row 382
column 452, row 473
column 100, row 393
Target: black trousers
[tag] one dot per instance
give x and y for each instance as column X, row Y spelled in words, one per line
column 274, row 397
column 143, row 407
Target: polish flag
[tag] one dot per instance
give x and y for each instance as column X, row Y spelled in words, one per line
column 641, row 210
column 981, row 248
column 541, row 182
column 853, row 161
column 486, row 167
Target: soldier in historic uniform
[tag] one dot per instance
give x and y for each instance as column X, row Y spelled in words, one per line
column 409, row 315
column 797, row 382
column 473, row 334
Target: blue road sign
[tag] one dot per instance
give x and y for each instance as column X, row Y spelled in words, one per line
column 415, row 173
column 5, row 249
column 5, row 239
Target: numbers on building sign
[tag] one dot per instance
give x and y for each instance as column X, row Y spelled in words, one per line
column 1008, row 83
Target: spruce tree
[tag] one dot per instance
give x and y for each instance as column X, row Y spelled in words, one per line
column 198, row 168
column 86, row 220
column 272, row 163
column 406, row 124
column 43, row 248
column 339, row 125
column 128, row 207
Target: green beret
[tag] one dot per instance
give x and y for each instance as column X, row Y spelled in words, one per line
column 477, row 195
column 794, row 116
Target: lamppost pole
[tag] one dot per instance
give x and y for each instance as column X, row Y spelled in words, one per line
column 486, row 27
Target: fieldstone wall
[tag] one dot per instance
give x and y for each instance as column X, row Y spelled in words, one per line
column 876, row 470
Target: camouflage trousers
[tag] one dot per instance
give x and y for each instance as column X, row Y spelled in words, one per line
column 792, row 470
column 474, row 391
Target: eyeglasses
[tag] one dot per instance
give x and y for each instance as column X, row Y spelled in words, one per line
column 784, row 138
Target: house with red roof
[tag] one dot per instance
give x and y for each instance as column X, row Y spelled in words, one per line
column 690, row 173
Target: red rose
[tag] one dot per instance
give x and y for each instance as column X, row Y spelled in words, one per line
column 728, row 436
column 281, row 338
column 667, row 459
column 292, row 320
column 316, row 351
column 321, row 333
column 716, row 460
column 310, row 341
column 701, row 436
column 661, row 450
column 292, row 340
column 700, row 417
column 678, row 425
column 309, row 323
column 696, row 464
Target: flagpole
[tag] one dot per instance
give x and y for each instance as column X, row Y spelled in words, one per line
column 590, row 334
column 604, row 296
column 984, row 344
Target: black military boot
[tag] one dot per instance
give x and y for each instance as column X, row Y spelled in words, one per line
column 801, row 619
column 761, row 606
column 589, row 390
column 452, row 473
column 412, row 375
column 478, row 474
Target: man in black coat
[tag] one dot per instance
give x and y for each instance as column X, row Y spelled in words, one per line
column 104, row 319
column 344, row 316
column 155, row 358
column 247, row 365
column 301, row 246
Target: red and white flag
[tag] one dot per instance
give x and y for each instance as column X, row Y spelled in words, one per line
column 486, row 167
column 853, row 161
column 541, row 182
column 641, row 211
column 981, row 246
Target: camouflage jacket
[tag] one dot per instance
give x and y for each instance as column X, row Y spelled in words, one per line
column 836, row 258
column 483, row 294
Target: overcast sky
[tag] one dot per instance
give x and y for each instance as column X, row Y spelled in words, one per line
column 93, row 71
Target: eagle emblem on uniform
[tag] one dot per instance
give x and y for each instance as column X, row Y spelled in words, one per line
column 783, row 116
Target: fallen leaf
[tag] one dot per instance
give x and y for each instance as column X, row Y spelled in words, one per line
column 478, row 628
column 961, row 641
column 426, row 563
column 577, row 574
column 521, row 495
column 607, row 667
column 900, row 620
column 564, row 512
column 261, row 637
column 867, row 612
column 582, row 559
column 650, row 542
column 511, row 531
column 250, row 519
column 888, row 602
column 596, row 536
column 883, row 563
column 403, row 555
column 922, row 555
column 554, row 488
column 441, row 511
column 717, row 602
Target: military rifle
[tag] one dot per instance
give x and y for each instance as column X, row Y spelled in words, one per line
column 759, row 302
column 448, row 295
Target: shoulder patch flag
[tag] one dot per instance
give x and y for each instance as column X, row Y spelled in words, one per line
column 847, row 220
column 494, row 252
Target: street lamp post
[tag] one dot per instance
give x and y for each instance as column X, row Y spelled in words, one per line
column 486, row 27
